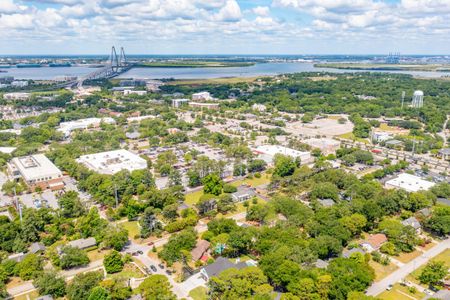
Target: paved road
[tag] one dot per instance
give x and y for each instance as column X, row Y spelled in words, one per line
column 380, row 286
column 28, row 286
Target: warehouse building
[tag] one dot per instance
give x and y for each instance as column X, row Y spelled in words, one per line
column 37, row 171
column 268, row 152
column 409, row 183
column 67, row 127
column 112, row 162
column 325, row 145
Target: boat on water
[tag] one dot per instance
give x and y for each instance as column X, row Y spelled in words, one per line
column 59, row 65
column 28, row 65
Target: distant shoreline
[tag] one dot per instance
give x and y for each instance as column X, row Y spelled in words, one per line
column 384, row 67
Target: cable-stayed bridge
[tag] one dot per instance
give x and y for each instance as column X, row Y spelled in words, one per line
column 116, row 65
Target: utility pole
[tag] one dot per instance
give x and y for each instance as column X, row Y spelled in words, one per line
column 414, row 146
column 17, row 204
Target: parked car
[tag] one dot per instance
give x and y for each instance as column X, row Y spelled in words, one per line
column 140, row 252
column 153, row 268
column 161, row 266
column 168, row 272
column 389, row 287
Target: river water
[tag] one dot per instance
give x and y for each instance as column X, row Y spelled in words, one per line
column 260, row 69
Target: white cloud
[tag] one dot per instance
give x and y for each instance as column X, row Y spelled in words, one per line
column 8, row 6
column 261, row 11
column 230, row 12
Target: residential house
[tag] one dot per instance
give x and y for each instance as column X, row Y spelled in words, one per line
column 36, row 248
column 374, row 242
column 348, row 253
column 243, row 193
column 221, row 264
column 414, row 223
column 83, row 243
column 200, row 249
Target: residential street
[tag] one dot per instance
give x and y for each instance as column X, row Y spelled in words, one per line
column 379, row 287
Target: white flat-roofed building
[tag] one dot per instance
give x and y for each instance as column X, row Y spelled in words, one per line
column 409, row 183
column 112, row 162
column 202, row 96
column 204, row 105
column 179, row 102
column 68, row 127
column 268, row 152
column 325, row 145
column 132, row 92
column 17, row 96
column 139, row 119
column 37, row 171
column 19, row 83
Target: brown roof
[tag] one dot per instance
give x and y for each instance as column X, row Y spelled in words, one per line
column 376, row 240
column 201, row 247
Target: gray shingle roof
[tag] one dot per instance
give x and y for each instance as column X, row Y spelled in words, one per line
column 222, row 264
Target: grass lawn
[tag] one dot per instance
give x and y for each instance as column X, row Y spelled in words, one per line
column 443, row 256
column 97, row 254
column 192, row 198
column 351, row 136
column 407, row 257
column 199, row 293
column 132, row 227
column 30, row 295
column 254, row 182
column 400, row 292
column 382, row 271
column 129, row 270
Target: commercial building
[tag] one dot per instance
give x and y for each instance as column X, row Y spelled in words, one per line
column 17, row 96
column 268, row 152
column 132, row 92
column 37, row 171
column 68, row 127
column 202, row 96
column 19, row 83
column 204, row 105
column 409, row 183
column 111, row 162
column 325, row 145
column 381, row 136
column 176, row 103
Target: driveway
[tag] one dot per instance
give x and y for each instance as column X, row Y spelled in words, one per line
column 399, row 274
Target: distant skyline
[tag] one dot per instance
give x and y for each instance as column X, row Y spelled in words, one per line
column 225, row 26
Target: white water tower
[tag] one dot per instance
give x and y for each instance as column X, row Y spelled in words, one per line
column 417, row 100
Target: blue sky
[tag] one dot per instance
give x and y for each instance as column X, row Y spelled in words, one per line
column 225, row 26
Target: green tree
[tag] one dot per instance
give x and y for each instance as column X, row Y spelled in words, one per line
column 113, row 262
column 433, row 272
column 50, row 283
column 284, row 165
column 439, row 222
column 212, row 184
column 116, row 237
column 29, row 267
column 82, row 284
column 172, row 250
column 72, row 257
column 99, row 293
column 149, row 223
column 70, row 205
column 238, row 284
column 156, row 287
